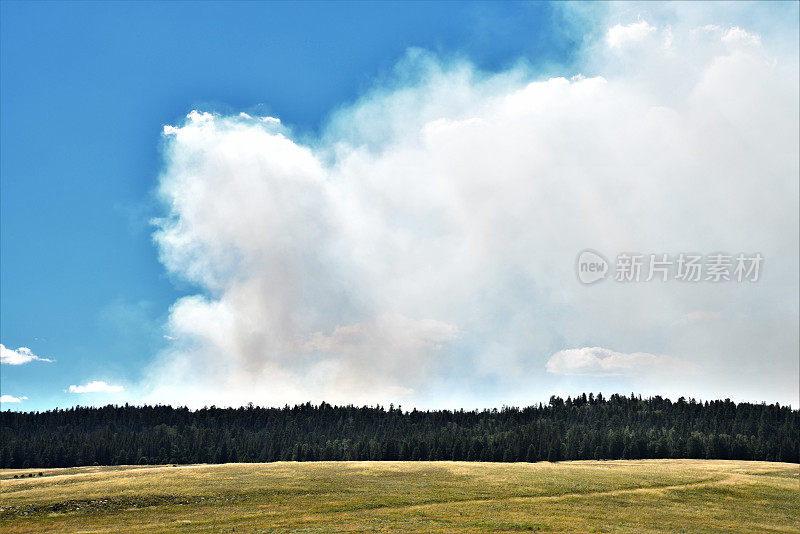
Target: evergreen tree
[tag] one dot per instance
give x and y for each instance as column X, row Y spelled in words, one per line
column 583, row 427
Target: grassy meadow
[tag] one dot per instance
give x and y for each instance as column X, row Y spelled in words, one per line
column 584, row 496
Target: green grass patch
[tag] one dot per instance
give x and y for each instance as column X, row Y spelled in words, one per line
column 618, row 496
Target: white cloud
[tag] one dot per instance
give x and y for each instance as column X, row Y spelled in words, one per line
column 668, row 38
column 738, row 35
column 733, row 36
column 393, row 348
column 424, row 243
column 11, row 399
column 401, row 333
column 95, row 386
column 619, row 35
column 700, row 315
column 597, row 361
column 20, row 356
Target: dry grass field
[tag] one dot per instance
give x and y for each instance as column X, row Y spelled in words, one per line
column 612, row 496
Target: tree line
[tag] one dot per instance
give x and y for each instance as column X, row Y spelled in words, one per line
column 581, row 428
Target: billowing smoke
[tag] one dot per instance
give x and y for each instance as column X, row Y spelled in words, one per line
column 421, row 250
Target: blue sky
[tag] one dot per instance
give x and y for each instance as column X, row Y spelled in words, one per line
column 87, row 88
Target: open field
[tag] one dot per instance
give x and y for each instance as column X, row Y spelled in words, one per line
column 611, row 496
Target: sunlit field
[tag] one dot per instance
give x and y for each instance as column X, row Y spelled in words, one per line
column 591, row 496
